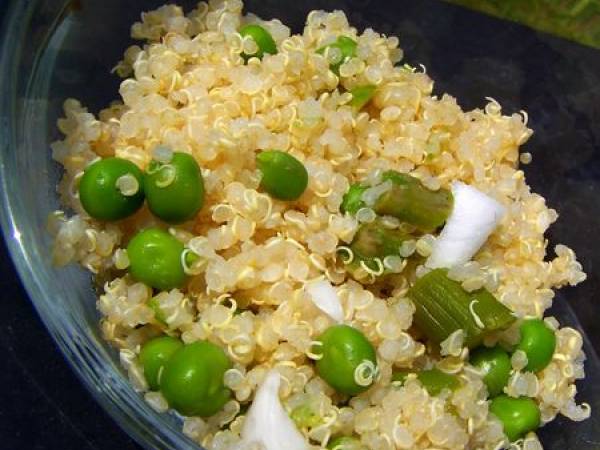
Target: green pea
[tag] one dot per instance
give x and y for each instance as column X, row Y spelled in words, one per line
column 111, row 189
column 283, row 176
column 155, row 259
column 154, row 355
column 433, row 380
column 264, row 40
column 399, row 377
column 538, row 342
column 519, row 416
column 345, row 443
column 362, row 95
column 348, row 362
column 192, row 380
column 495, row 364
column 347, row 50
column 174, row 190
column 352, row 200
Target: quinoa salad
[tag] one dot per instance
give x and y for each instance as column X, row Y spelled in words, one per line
column 298, row 245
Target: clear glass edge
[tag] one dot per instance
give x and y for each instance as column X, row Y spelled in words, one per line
column 149, row 431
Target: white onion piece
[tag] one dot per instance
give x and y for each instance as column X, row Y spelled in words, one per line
column 473, row 218
column 267, row 423
column 324, row 296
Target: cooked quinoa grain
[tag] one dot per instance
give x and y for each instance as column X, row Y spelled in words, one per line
column 188, row 88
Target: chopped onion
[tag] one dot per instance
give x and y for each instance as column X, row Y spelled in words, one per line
column 324, row 296
column 267, row 423
column 473, row 218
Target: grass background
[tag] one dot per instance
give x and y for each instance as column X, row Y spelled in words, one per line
column 577, row 20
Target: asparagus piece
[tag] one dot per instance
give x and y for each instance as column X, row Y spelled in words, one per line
column 411, row 202
column 443, row 307
column 407, row 199
column 374, row 240
column 352, row 200
column 373, row 247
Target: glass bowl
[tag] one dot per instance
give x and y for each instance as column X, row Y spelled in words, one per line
column 54, row 49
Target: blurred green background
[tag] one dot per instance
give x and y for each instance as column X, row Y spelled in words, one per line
column 577, row 20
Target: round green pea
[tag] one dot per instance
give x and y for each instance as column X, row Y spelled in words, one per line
column 343, row 350
column 495, row 364
column 174, row 190
column 345, row 443
column 283, row 176
column 264, row 40
column 435, row 381
column 155, row 259
column 519, row 416
column 361, row 95
column 192, row 379
column 101, row 195
column 352, row 200
column 538, row 342
column 154, row 355
column 347, row 48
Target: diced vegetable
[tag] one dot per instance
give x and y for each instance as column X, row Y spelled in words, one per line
column 263, row 39
column 339, row 52
column 372, row 244
column 433, row 380
column 111, row 189
column 352, row 200
column 155, row 259
column 192, row 379
column 362, row 95
column 474, row 216
column 519, row 416
column 347, row 360
column 410, row 201
column 283, row 176
column 538, row 342
column 495, row 364
column 325, row 298
column 443, row 307
column 154, row 354
column 174, row 189
column 400, row 376
column 267, row 423
column 345, row 443
column 374, row 240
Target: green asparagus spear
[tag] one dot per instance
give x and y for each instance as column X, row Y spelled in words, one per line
column 410, row 201
column 443, row 307
column 374, row 242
